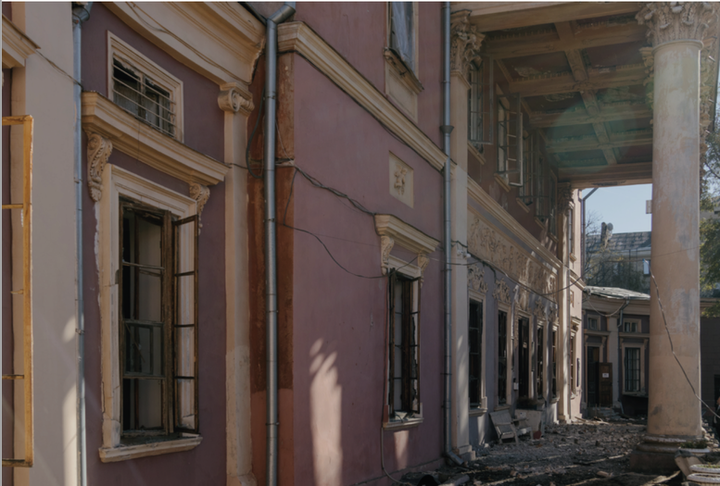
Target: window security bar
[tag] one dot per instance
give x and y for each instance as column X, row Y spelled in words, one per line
column 26, row 292
column 140, row 96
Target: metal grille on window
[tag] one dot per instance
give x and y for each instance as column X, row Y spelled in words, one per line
column 402, row 36
column 480, row 102
column 632, row 369
column 475, row 330
column 404, row 349
column 510, row 159
column 502, row 358
column 21, row 377
column 138, row 94
column 185, row 283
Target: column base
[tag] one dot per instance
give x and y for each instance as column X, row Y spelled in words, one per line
column 656, row 454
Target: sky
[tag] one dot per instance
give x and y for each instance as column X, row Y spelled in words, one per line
column 623, row 206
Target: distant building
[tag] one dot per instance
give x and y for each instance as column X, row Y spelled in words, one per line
column 619, row 260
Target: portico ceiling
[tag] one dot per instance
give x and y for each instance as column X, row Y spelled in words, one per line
column 584, row 72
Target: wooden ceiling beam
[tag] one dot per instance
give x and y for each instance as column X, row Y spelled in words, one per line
column 590, row 142
column 595, row 35
column 607, row 113
column 490, row 16
column 621, row 174
column 566, row 83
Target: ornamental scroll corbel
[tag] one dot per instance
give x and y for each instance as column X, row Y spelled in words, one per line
column 232, row 99
column 423, row 262
column 99, row 149
column 466, row 41
column 386, row 245
column 201, row 194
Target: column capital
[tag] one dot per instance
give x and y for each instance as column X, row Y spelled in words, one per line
column 465, row 42
column 674, row 21
column 565, row 196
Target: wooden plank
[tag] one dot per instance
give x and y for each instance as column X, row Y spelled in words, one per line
column 593, row 35
column 566, row 83
column 509, row 15
column 620, row 174
column 607, row 113
column 616, row 140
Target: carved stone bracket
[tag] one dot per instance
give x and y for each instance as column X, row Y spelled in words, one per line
column 232, row 100
column 201, row 194
column 476, row 279
column 539, row 311
column 466, row 42
column 523, row 300
column 99, row 149
column 423, row 262
column 386, row 245
column 553, row 314
column 672, row 21
column 502, row 292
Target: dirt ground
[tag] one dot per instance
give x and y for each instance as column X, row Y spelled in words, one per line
column 590, row 452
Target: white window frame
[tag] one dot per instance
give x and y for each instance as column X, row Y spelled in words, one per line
column 624, row 345
column 117, row 183
column 479, row 297
column 118, row 49
column 630, row 323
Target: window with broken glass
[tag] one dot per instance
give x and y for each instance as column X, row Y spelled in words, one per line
column 158, row 322
column 402, row 32
column 632, row 369
column 404, row 352
column 475, row 330
column 502, row 358
column 143, row 97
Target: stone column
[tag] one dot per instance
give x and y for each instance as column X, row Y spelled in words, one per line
column 676, row 31
column 465, row 46
column 563, row 349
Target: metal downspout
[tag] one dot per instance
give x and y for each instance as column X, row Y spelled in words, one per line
column 271, row 311
column 80, row 13
column 446, row 129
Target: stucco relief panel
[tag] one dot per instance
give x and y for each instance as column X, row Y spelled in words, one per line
column 401, row 180
column 489, row 245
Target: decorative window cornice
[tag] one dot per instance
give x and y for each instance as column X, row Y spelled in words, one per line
column 16, row 46
column 394, row 230
column 135, row 138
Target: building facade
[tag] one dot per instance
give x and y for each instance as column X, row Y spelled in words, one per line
column 405, row 312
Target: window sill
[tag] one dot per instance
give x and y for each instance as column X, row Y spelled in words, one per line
column 476, row 153
column 555, row 400
column 522, row 205
column 502, row 407
column 540, row 223
column 477, row 412
column 573, row 257
column 403, row 424
column 126, row 452
column 640, row 394
column 503, row 183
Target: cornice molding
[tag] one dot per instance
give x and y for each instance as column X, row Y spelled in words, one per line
column 299, row 37
column 221, row 41
column 137, row 139
column 16, row 46
column 405, row 235
column 476, row 193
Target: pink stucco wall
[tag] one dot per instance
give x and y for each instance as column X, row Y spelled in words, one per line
column 203, row 132
column 342, row 337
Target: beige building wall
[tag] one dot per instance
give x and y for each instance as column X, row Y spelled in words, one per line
column 46, row 93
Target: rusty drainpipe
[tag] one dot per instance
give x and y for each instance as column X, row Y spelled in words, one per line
column 446, row 129
column 271, row 311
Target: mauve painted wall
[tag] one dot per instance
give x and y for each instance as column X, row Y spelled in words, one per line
column 7, row 331
column 7, row 9
column 340, row 320
column 204, row 132
column 203, row 119
column 357, row 30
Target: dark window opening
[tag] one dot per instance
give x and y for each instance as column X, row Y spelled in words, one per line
column 475, row 330
column 502, row 358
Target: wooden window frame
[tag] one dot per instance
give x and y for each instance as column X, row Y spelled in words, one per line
column 481, row 101
column 142, row 65
column 25, row 221
column 510, row 142
column 504, row 401
column 638, row 350
column 117, row 183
